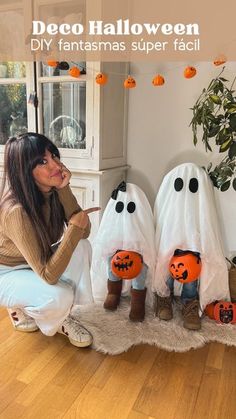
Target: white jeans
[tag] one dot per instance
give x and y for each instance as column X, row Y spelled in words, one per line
column 48, row 304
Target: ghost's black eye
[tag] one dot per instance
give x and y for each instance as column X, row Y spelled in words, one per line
column 131, row 207
column 193, row 185
column 179, row 183
column 119, row 206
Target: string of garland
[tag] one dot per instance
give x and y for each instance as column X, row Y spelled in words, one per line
column 130, row 82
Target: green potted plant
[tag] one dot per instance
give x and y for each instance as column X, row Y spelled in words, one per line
column 215, row 112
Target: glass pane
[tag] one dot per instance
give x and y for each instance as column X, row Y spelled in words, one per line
column 62, row 68
column 13, row 111
column 11, row 69
column 64, row 113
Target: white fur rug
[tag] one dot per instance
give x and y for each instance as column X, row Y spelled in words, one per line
column 114, row 333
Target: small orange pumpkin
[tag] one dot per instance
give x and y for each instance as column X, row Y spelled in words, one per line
column 219, row 61
column 52, row 63
column 185, row 266
column 222, row 311
column 126, row 264
column 158, row 80
column 129, row 83
column 101, row 78
column 74, row 72
column 190, row 72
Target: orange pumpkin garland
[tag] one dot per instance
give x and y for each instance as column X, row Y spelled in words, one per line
column 158, row 80
column 190, row 72
column 74, row 72
column 101, row 78
column 126, row 264
column 219, row 61
column 129, row 83
column 51, row 63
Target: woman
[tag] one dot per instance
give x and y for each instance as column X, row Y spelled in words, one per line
column 39, row 282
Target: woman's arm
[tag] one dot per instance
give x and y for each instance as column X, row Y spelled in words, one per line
column 71, row 206
column 20, row 231
column 68, row 201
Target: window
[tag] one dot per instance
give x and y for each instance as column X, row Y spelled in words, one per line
column 46, row 99
column 13, row 99
column 63, row 105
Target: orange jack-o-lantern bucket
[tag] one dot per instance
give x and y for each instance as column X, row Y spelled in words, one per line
column 185, row 266
column 126, row 264
column 222, row 311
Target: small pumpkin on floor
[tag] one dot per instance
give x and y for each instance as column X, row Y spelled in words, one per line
column 222, row 312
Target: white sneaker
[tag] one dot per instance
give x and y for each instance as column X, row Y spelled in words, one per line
column 21, row 321
column 77, row 334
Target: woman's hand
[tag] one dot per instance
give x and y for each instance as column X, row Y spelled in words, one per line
column 81, row 219
column 65, row 174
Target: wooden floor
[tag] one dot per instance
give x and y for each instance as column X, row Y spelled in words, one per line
column 46, row 377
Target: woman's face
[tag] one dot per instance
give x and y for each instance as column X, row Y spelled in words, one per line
column 48, row 173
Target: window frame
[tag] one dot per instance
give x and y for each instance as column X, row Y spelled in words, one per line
column 88, row 79
column 28, row 80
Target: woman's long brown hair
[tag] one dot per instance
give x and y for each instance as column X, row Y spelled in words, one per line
column 22, row 154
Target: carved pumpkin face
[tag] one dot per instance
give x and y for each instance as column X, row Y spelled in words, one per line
column 74, row 72
column 129, row 83
column 222, row 311
column 126, row 264
column 101, row 78
column 190, row 72
column 158, row 80
column 185, row 268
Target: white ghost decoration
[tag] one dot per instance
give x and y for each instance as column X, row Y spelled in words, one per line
column 185, row 217
column 127, row 224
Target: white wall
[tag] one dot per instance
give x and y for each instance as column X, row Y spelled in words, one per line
column 159, row 136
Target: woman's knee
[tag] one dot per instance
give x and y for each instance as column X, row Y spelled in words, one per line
column 62, row 296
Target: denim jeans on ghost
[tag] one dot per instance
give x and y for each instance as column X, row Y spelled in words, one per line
column 189, row 290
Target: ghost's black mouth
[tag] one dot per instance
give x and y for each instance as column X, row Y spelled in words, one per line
column 123, row 266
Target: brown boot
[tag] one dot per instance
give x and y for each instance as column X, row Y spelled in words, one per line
column 164, row 308
column 137, row 312
column 191, row 317
column 113, row 297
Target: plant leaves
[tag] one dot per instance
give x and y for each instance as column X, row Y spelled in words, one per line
column 225, row 145
column 232, row 121
column 225, row 186
column 234, row 184
column 232, row 150
column 216, row 99
column 194, row 138
column 232, row 109
column 213, row 130
column 209, row 167
column 222, row 79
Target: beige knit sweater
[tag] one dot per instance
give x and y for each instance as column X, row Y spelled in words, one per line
column 18, row 243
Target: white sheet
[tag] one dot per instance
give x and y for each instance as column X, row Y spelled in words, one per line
column 127, row 231
column 187, row 220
